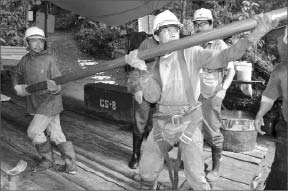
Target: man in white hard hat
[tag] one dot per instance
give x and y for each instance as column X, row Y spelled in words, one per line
column 178, row 117
column 277, row 88
column 36, row 66
column 213, row 85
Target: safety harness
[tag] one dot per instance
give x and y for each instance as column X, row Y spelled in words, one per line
column 186, row 136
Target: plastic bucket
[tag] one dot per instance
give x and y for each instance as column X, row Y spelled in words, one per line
column 244, row 71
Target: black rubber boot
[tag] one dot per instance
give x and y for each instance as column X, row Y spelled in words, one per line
column 68, row 154
column 214, row 174
column 46, row 162
column 137, row 142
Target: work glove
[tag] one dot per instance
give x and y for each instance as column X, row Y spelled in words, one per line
column 52, row 87
column 150, row 87
column 246, row 89
column 221, row 94
column 133, row 60
column 21, row 90
column 264, row 25
column 139, row 96
column 258, row 123
column 218, row 98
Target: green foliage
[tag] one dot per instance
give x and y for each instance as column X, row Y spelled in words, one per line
column 12, row 22
column 93, row 37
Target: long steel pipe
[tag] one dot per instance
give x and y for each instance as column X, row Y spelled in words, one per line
column 196, row 39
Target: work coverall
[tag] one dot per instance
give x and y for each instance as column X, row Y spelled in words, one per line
column 46, row 107
column 173, row 101
column 210, row 83
column 144, row 110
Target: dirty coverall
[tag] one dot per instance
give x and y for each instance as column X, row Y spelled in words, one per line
column 46, row 107
column 211, row 82
column 144, row 110
column 172, row 100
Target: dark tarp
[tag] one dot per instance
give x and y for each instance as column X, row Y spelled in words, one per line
column 111, row 12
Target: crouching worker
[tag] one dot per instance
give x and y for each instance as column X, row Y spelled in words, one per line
column 36, row 66
column 174, row 84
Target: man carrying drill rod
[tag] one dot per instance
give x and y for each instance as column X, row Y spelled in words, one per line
column 174, row 84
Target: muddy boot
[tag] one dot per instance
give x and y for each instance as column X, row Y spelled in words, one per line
column 214, row 174
column 134, row 162
column 46, row 162
column 68, row 154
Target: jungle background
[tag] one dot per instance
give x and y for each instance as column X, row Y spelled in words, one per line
column 98, row 40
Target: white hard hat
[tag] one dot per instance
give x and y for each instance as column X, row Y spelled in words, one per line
column 34, row 32
column 202, row 15
column 165, row 18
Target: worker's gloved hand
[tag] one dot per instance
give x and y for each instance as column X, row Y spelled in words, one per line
column 139, row 96
column 218, row 98
column 217, row 102
column 21, row 90
column 150, row 87
column 133, row 60
column 221, row 94
column 265, row 23
column 52, row 87
column 246, row 89
column 258, row 123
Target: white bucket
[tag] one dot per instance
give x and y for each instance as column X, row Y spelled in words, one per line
column 244, row 71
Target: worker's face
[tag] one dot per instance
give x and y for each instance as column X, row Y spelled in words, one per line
column 168, row 34
column 201, row 26
column 36, row 44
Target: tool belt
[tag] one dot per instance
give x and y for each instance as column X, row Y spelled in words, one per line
column 180, row 131
column 214, row 70
column 172, row 128
column 177, row 119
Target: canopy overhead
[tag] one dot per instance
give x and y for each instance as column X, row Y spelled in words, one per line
column 111, row 12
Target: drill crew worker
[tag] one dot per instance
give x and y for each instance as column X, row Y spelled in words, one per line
column 143, row 108
column 46, row 105
column 277, row 88
column 213, row 85
column 178, row 117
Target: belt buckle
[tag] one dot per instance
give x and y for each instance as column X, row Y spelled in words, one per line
column 177, row 119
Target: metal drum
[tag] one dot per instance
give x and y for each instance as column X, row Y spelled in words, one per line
column 238, row 130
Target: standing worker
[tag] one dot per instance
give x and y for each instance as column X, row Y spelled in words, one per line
column 174, row 85
column 276, row 88
column 46, row 105
column 213, row 86
column 143, row 108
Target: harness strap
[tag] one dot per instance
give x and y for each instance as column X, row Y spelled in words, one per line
column 177, row 165
column 186, row 80
column 163, row 145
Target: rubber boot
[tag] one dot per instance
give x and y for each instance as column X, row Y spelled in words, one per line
column 68, row 154
column 145, row 185
column 137, row 142
column 214, row 174
column 46, row 162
